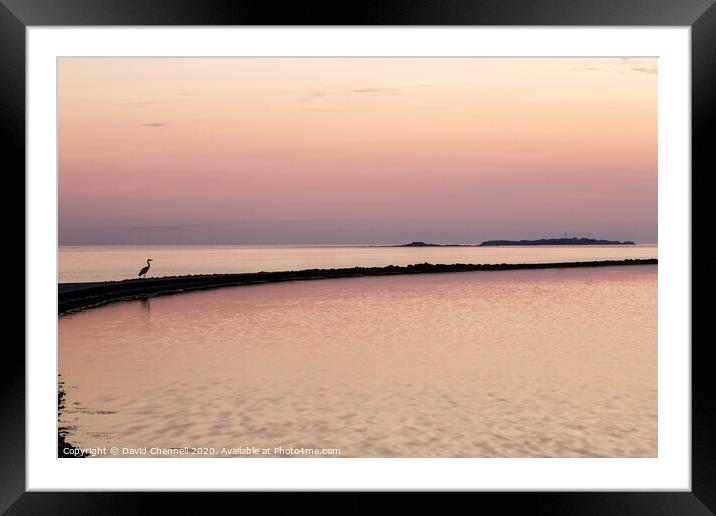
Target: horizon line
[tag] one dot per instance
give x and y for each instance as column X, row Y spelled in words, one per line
column 295, row 244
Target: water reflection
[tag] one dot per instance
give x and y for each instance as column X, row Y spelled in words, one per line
column 545, row 363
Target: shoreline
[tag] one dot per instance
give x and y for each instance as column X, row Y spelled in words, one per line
column 65, row 450
column 74, row 297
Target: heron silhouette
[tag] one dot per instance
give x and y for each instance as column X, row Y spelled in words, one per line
column 145, row 269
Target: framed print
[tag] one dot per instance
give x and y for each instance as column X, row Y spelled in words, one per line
column 425, row 247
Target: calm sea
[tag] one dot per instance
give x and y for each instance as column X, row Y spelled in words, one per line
column 532, row 363
column 103, row 263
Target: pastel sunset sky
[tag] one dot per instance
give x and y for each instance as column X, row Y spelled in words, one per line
column 355, row 150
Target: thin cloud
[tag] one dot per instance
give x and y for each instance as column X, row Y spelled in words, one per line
column 138, row 103
column 379, row 91
column 389, row 91
column 313, row 95
column 639, row 65
column 319, row 110
column 172, row 227
column 375, row 91
column 623, row 65
column 155, row 124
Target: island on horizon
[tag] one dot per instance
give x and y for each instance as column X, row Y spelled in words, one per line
column 541, row 241
column 426, row 244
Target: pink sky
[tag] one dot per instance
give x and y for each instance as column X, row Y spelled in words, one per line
column 366, row 151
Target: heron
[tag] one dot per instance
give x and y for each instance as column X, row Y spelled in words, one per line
column 145, row 269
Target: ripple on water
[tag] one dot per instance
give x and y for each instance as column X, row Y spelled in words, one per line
column 544, row 363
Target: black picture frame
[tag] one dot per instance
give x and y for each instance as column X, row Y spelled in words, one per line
column 700, row 15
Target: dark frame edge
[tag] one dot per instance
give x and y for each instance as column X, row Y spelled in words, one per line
column 703, row 126
column 12, row 134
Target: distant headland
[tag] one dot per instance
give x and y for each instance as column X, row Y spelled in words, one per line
column 558, row 241
column 541, row 241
